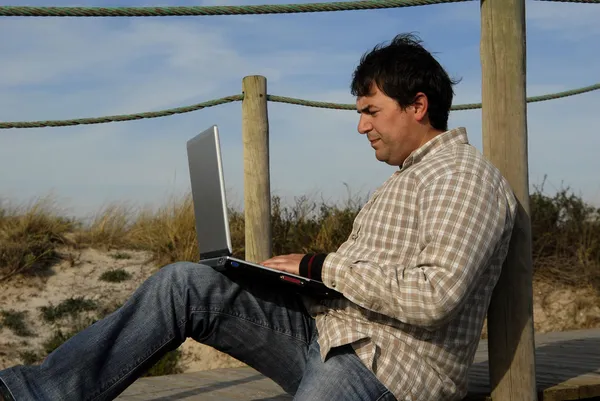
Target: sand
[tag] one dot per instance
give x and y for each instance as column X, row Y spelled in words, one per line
column 556, row 307
column 81, row 279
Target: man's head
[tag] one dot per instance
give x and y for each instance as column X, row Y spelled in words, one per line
column 403, row 97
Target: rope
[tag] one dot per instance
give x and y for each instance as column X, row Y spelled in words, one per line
column 272, row 98
column 123, row 117
column 558, row 95
column 310, row 103
column 575, row 1
column 30, row 11
column 468, row 106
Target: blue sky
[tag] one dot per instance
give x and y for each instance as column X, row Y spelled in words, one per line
column 62, row 68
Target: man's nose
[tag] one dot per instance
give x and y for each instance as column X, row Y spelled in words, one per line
column 364, row 125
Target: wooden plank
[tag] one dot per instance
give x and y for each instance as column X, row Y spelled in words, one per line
column 568, row 368
column 560, row 394
column 589, row 392
column 233, row 384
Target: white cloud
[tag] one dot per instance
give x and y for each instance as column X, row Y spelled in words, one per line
column 58, row 68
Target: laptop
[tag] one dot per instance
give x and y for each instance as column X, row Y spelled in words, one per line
column 212, row 223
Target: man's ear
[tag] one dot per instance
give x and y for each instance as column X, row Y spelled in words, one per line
column 420, row 106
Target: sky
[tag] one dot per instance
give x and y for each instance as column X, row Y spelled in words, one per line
column 64, row 68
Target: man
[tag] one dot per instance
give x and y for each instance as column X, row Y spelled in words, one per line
column 417, row 273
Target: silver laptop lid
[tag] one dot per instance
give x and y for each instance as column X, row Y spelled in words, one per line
column 208, row 194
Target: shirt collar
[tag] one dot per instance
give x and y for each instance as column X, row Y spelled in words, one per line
column 450, row 137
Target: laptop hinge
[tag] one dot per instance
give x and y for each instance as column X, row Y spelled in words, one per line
column 215, row 254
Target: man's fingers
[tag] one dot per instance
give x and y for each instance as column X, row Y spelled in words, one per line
column 278, row 259
column 286, row 263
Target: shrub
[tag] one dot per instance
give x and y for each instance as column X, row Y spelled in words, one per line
column 115, row 276
column 29, row 237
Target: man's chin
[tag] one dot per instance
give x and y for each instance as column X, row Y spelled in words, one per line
column 381, row 157
column 385, row 159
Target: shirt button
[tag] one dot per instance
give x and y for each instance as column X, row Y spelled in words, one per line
column 354, row 236
column 333, row 284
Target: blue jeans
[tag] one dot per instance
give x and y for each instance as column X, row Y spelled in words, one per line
column 265, row 327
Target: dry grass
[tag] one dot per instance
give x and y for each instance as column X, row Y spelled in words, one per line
column 109, row 228
column 566, row 239
column 29, row 237
column 566, row 233
column 169, row 233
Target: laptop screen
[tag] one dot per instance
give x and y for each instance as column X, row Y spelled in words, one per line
column 208, row 194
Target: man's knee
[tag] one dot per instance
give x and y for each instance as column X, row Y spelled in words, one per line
column 185, row 273
column 342, row 377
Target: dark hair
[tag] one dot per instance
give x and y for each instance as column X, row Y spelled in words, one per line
column 401, row 70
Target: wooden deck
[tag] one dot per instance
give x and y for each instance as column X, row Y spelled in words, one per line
column 568, row 368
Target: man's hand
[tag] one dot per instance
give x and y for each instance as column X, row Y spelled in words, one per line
column 286, row 263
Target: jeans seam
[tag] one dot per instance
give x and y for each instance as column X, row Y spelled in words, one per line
column 258, row 323
column 135, row 364
column 129, row 368
column 383, row 395
column 10, row 393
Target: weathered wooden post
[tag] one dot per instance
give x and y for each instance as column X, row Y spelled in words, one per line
column 504, row 114
column 257, row 189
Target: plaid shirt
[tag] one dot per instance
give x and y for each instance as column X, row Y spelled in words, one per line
column 418, row 270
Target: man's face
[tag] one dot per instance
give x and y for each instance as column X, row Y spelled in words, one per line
column 393, row 132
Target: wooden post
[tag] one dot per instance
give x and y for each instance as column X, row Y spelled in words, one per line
column 257, row 190
column 504, row 114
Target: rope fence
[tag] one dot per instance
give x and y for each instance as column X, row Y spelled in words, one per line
column 272, row 98
column 122, row 117
column 32, row 11
column 467, row 106
column 178, row 11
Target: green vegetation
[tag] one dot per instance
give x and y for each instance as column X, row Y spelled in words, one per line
column 566, row 233
column 69, row 307
column 115, row 276
column 15, row 321
column 120, row 255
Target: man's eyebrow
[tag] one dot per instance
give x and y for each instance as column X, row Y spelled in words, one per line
column 364, row 109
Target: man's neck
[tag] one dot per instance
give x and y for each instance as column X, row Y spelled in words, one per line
column 429, row 134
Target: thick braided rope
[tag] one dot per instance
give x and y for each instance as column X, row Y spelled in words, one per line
column 468, row 106
column 31, row 11
column 272, row 98
column 574, row 1
column 123, row 117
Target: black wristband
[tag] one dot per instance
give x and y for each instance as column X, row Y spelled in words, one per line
column 311, row 266
column 304, row 264
column 316, row 272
